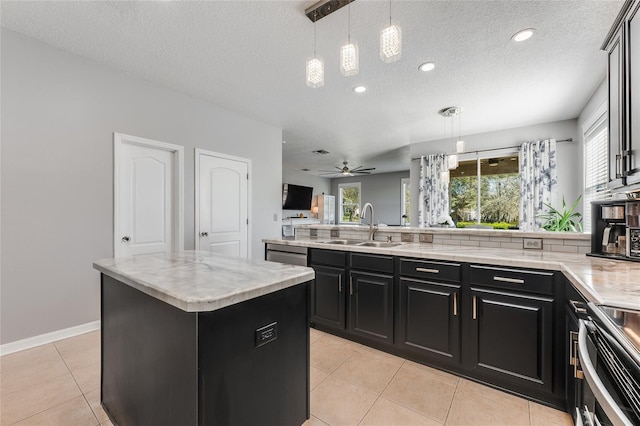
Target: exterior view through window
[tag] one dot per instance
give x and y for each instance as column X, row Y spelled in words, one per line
column 349, row 202
column 488, row 195
column 405, row 218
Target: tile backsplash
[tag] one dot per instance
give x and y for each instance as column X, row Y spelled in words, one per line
column 580, row 244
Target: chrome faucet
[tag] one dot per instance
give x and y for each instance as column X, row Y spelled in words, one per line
column 372, row 227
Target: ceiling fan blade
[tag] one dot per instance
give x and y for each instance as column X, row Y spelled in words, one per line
column 366, row 170
column 362, row 173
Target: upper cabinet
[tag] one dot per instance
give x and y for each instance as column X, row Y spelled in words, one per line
column 623, row 50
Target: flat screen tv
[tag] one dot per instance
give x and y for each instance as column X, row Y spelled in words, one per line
column 296, row 197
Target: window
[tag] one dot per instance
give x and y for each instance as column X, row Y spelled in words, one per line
column 486, row 191
column 349, row 200
column 596, row 168
column 405, row 202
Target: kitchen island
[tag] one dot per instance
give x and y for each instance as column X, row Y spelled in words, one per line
column 194, row 338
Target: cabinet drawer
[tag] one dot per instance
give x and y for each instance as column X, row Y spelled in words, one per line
column 372, row 263
column 512, row 279
column 328, row 257
column 431, row 270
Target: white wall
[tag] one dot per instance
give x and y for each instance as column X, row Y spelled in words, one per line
column 568, row 153
column 59, row 112
column 382, row 190
column 297, row 177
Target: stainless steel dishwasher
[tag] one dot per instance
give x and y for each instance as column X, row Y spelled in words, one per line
column 291, row 255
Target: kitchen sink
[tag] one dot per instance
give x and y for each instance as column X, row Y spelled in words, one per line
column 377, row 244
column 344, row 242
column 362, row 243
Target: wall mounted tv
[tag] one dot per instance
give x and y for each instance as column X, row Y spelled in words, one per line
column 296, row 197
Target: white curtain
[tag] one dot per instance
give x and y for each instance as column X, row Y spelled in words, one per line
column 538, row 179
column 433, row 191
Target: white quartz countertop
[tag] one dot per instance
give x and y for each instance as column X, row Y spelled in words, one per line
column 602, row 281
column 198, row 281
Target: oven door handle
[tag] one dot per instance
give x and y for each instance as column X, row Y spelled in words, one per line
column 603, row 397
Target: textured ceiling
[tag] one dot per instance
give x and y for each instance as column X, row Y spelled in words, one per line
column 249, row 56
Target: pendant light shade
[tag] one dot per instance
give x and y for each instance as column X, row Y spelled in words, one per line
column 391, row 44
column 452, row 161
column 315, row 73
column 315, row 66
column 349, row 60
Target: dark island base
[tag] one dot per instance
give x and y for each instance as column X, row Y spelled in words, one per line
column 232, row 366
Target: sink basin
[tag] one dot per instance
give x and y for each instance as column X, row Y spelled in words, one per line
column 377, row 244
column 344, row 242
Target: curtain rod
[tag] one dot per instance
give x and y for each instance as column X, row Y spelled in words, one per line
column 497, row 149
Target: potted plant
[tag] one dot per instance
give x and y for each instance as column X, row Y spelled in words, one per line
column 566, row 219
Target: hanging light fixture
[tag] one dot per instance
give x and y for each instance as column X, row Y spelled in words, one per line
column 460, row 142
column 390, row 42
column 315, row 66
column 450, row 112
column 349, row 59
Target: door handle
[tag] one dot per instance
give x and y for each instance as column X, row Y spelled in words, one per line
column 576, row 308
column 351, row 286
column 340, row 283
column 455, row 304
column 475, row 308
column 204, row 234
column 126, row 239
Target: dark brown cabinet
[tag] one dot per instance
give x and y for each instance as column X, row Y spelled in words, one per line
column 623, row 51
column 429, row 310
column 328, row 288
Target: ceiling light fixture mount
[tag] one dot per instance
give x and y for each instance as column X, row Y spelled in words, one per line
column 324, row 8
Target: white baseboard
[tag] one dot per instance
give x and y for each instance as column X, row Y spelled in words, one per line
column 31, row 342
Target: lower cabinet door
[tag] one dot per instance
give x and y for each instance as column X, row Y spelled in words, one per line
column 429, row 319
column 371, row 306
column 512, row 338
column 327, row 297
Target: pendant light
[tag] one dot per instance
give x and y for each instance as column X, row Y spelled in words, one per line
column 349, row 60
column 315, row 66
column 390, row 42
column 460, row 142
column 450, row 112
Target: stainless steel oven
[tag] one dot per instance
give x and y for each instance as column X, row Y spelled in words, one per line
column 609, row 357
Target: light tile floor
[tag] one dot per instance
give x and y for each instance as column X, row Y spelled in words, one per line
column 351, row 384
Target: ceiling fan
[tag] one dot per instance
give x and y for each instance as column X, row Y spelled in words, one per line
column 345, row 171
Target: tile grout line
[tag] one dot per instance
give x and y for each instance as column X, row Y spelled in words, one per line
column 77, row 384
column 455, row 392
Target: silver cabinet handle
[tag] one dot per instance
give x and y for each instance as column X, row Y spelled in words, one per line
column 475, row 308
column 508, row 280
column 577, row 309
column 340, row 283
column 204, row 234
column 126, row 239
column 431, row 271
column 603, row 397
column 455, row 304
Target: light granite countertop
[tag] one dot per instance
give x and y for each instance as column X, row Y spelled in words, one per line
column 602, row 281
column 199, row 281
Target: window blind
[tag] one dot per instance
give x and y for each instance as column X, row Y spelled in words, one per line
column 596, row 168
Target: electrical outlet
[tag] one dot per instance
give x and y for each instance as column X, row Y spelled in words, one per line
column 335, row 233
column 426, row 238
column 532, row 243
column 406, row 238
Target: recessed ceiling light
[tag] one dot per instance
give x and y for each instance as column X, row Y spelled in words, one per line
column 523, row 35
column 359, row 89
column 427, row 66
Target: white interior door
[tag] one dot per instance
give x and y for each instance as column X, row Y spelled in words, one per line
column 147, row 196
column 222, row 204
